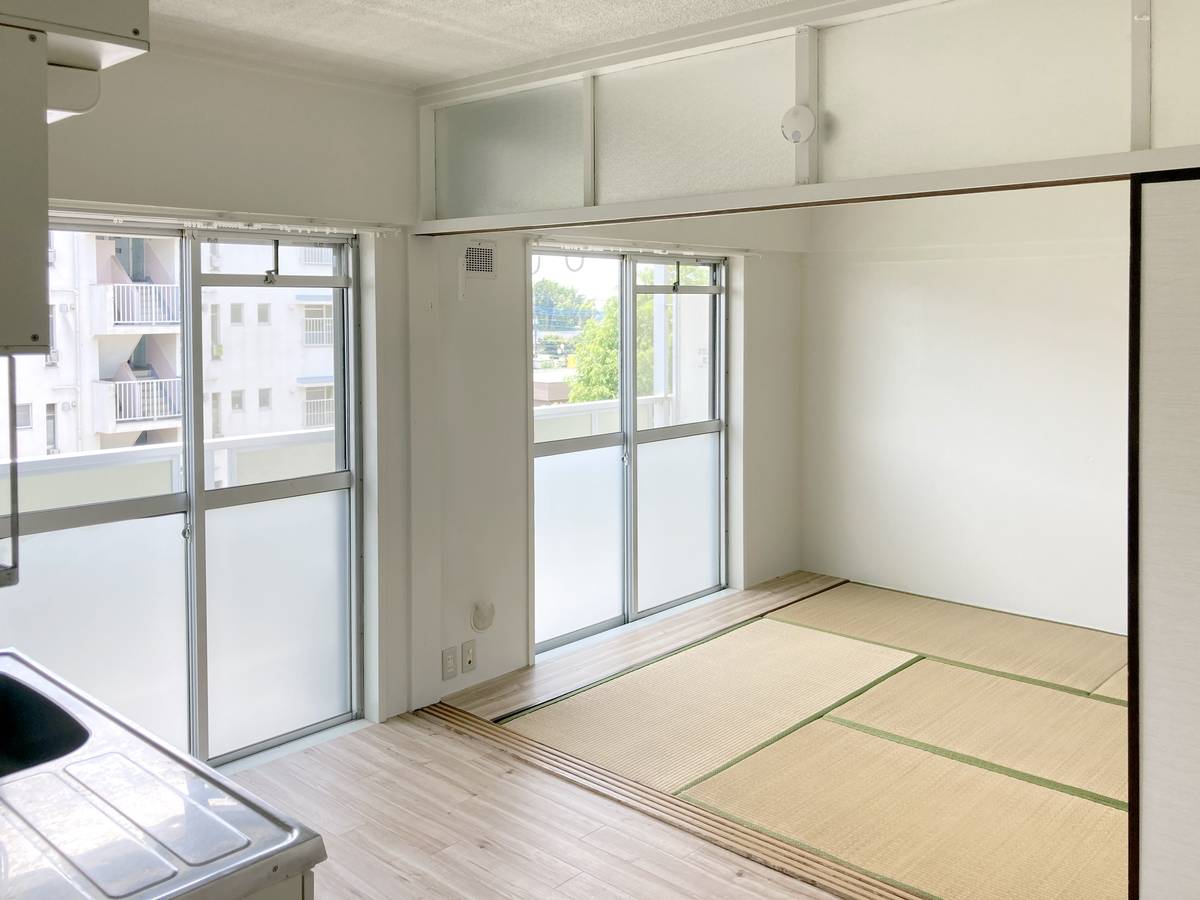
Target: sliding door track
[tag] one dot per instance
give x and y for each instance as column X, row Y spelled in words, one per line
column 837, row 879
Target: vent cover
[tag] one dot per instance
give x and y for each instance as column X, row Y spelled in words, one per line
column 480, row 260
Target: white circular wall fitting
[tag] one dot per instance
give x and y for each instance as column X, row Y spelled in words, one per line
column 798, row 124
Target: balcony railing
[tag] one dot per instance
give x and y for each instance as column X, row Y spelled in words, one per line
column 148, row 399
column 318, row 332
column 145, row 304
column 562, row 421
column 318, row 413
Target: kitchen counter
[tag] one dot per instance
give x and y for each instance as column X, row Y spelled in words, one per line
column 122, row 815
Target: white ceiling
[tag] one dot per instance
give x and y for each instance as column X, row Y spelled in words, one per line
column 415, row 43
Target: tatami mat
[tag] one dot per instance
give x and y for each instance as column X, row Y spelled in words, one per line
column 1045, row 651
column 672, row 721
column 1116, row 687
column 1073, row 741
column 942, row 827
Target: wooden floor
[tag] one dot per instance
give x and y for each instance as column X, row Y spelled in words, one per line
column 410, row 808
column 569, row 669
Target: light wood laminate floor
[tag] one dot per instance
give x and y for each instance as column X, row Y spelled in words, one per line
column 410, row 808
column 568, row 669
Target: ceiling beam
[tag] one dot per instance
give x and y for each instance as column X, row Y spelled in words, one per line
column 1014, row 176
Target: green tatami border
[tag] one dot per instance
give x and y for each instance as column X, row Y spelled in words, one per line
column 509, row 717
column 977, row 762
column 1012, row 676
column 762, row 616
column 762, row 745
column 816, row 851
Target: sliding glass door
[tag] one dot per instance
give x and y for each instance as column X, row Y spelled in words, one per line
column 628, row 432
column 275, row 451
column 187, row 473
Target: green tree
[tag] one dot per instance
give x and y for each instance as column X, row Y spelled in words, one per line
column 597, row 352
column 597, row 357
column 597, row 349
column 560, row 307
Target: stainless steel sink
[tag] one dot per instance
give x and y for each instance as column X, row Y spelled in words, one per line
column 36, row 730
column 93, row 808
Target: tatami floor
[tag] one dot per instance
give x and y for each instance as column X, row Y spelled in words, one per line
column 948, row 751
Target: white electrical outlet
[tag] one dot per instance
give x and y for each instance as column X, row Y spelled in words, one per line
column 449, row 663
column 468, row 656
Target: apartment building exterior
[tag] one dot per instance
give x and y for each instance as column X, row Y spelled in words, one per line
column 109, row 391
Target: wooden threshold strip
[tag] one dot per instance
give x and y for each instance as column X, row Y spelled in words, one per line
column 804, row 865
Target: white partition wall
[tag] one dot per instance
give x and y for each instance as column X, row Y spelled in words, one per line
column 1169, row 526
column 975, row 83
column 1175, row 72
column 963, row 399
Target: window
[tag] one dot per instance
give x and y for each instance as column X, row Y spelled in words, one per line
column 214, row 330
column 318, row 325
column 52, row 338
column 318, row 407
column 214, row 417
column 278, row 532
column 110, row 568
column 576, row 327
column 628, row 437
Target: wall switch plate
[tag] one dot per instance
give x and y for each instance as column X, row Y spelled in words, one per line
column 468, row 656
column 449, row 663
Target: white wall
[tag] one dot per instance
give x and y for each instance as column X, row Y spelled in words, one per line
column 384, row 366
column 765, row 422
column 179, row 131
column 469, row 371
column 1175, row 72
column 963, row 394
column 975, row 83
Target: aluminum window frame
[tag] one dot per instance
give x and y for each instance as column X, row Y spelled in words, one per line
column 629, row 437
column 344, row 477
column 194, row 499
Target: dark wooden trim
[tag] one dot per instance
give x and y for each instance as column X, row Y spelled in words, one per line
column 1132, row 532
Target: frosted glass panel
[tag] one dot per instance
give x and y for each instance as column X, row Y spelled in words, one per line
column 578, row 539
column 278, row 617
column 104, row 607
column 1175, row 72
column 698, row 125
column 679, row 523
column 506, row 154
column 951, row 86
